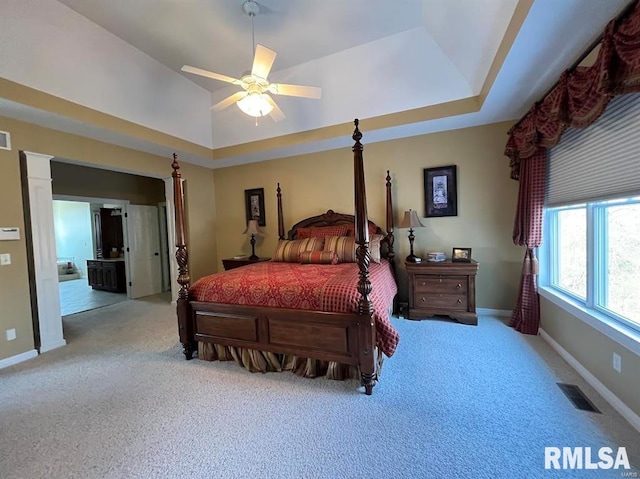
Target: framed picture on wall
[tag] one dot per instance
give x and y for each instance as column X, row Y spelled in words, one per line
column 440, row 191
column 254, row 204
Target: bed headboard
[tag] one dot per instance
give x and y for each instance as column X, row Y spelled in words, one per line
column 331, row 218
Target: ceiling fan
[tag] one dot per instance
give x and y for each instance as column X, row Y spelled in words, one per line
column 254, row 99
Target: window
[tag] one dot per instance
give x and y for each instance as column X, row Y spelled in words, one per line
column 570, row 275
column 593, row 256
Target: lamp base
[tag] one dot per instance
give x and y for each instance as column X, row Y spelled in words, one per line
column 253, row 257
column 413, row 259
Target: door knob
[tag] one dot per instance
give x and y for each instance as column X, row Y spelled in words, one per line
column 156, row 254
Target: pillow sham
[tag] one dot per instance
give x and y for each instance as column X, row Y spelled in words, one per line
column 322, row 231
column 288, row 251
column 352, row 229
column 345, row 247
column 318, row 257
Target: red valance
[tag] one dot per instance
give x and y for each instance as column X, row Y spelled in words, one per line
column 582, row 94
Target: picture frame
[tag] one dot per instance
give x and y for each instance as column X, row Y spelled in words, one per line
column 441, row 191
column 461, row 255
column 254, row 205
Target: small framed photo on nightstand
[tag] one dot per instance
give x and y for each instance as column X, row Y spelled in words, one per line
column 461, row 255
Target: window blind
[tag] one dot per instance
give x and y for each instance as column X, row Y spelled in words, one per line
column 601, row 161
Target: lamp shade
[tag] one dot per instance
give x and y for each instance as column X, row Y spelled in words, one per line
column 255, row 104
column 252, row 228
column 410, row 220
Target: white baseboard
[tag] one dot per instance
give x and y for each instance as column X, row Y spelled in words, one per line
column 624, row 410
column 18, row 358
column 493, row 312
column 48, row 347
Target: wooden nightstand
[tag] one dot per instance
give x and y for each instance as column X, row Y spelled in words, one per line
column 444, row 288
column 231, row 263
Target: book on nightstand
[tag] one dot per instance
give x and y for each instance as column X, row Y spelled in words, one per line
column 436, row 257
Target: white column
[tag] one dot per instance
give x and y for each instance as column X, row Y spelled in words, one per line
column 44, row 251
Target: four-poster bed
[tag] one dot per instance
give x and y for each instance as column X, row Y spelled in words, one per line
column 350, row 328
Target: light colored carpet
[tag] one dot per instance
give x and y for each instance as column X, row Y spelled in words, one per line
column 454, row 402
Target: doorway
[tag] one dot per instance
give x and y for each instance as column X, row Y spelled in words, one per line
column 37, row 176
column 89, row 234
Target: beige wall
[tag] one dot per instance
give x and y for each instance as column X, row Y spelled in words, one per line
column 14, row 283
column 311, row 184
column 77, row 180
column 594, row 351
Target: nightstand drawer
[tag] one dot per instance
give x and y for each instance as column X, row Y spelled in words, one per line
column 440, row 284
column 441, row 301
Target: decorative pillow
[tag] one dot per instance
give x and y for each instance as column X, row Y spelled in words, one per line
column 345, row 247
column 322, row 231
column 374, row 247
column 288, row 251
column 352, row 229
column 318, row 257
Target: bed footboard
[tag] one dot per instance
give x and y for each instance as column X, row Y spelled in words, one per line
column 313, row 334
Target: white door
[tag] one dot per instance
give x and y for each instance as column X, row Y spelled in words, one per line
column 143, row 256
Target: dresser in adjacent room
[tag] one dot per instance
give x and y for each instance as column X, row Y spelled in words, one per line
column 107, row 275
column 445, row 288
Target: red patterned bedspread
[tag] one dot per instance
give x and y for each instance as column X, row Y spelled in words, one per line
column 316, row 287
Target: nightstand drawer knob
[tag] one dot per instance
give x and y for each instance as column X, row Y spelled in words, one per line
column 459, row 286
column 441, row 280
column 423, row 300
column 422, row 283
column 459, row 301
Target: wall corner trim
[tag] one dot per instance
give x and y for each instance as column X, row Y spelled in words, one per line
column 18, row 358
column 624, row 410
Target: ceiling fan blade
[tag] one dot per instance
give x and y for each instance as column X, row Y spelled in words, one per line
column 262, row 61
column 208, row 74
column 230, row 100
column 276, row 113
column 295, row 90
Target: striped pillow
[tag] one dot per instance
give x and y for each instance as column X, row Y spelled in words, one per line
column 318, row 257
column 345, row 247
column 322, row 231
column 288, row 251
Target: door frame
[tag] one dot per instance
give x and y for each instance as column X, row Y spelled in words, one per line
column 165, row 254
column 38, row 179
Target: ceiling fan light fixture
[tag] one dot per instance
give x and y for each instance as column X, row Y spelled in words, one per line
column 255, row 104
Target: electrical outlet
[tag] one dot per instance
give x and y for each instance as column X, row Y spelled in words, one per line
column 11, row 334
column 617, row 362
column 5, row 259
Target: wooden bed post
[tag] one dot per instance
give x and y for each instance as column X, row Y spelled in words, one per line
column 365, row 306
column 185, row 324
column 390, row 239
column 280, row 218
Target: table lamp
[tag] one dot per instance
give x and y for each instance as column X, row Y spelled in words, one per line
column 253, row 229
column 411, row 221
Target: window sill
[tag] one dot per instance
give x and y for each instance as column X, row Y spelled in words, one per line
column 624, row 336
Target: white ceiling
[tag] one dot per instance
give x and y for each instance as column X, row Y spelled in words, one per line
column 371, row 58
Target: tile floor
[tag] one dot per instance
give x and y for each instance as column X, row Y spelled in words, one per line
column 76, row 296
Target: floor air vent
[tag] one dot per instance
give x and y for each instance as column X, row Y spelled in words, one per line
column 577, row 397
